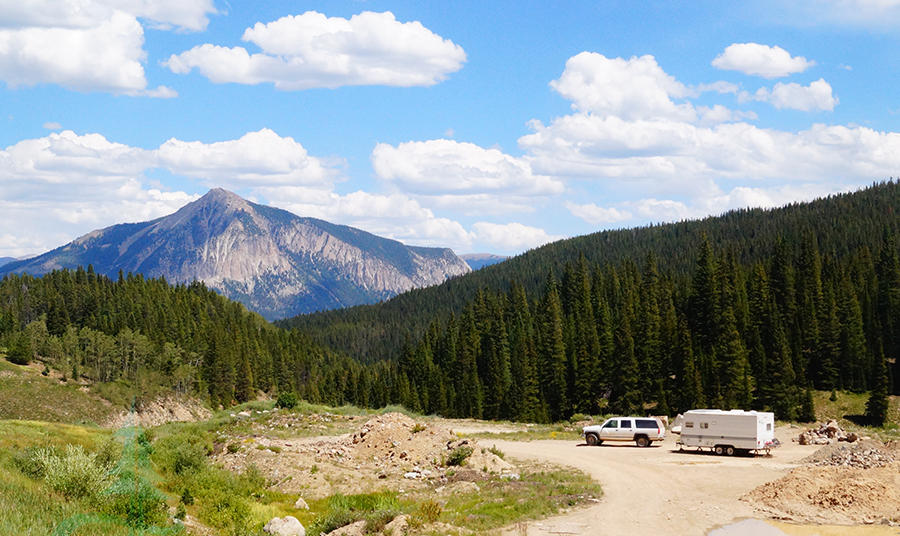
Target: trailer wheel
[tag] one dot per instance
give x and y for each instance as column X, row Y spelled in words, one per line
column 642, row 441
column 729, row 450
column 719, row 450
column 592, row 440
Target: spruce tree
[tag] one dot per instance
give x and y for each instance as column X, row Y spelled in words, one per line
column 553, row 353
column 877, row 405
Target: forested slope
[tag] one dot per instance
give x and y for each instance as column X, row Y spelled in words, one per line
column 750, row 310
column 840, row 224
column 145, row 335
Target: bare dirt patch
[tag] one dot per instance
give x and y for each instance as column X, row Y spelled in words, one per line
column 161, row 411
column 387, row 452
column 844, row 483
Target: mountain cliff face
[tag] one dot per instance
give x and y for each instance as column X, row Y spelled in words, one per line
column 276, row 263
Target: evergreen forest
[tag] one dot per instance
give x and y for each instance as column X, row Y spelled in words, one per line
column 752, row 310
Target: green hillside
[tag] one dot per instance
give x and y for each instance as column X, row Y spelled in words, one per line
column 841, row 224
column 753, row 309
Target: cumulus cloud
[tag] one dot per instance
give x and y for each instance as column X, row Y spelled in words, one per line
column 52, row 125
column 670, row 210
column 312, row 50
column 595, row 215
column 394, row 216
column 512, row 236
column 629, row 89
column 89, row 45
column 450, row 167
column 664, row 154
column 56, row 188
column 761, row 60
column 257, row 158
column 816, row 96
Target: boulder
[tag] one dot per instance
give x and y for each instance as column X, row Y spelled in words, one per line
column 398, row 526
column 289, row 526
column 353, row 529
column 301, row 504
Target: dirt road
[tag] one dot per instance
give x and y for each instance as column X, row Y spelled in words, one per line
column 658, row 490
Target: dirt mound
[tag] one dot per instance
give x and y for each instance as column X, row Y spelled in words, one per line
column 838, row 494
column 826, row 453
column 161, row 411
column 389, row 451
column 844, row 483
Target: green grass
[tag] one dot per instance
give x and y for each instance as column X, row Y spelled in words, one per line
column 26, row 395
column 538, row 494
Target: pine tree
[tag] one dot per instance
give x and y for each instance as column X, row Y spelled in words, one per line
column 704, row 298
column 689, row 388
column 553, row 353
column 877, row 405
column 586, row 343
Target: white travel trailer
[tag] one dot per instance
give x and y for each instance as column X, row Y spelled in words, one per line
column 727, row 432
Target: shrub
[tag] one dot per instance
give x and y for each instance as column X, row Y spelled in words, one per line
column 180, row 455
column 233, row 447
column 287, row 400
column 19, row 351
column 76, row 474
column 417, row 428
column 224, row 509
column 29, row 462
column 109, row 453
column 458, row 456
column 135, row 500
column 429, row 511
column 497, row 452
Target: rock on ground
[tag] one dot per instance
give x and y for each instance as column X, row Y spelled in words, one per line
column 353, row 529
column 289, row 526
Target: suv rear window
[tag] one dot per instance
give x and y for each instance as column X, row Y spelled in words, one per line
column 646, row 424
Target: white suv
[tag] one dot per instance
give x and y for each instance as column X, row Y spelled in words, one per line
column 641, row 430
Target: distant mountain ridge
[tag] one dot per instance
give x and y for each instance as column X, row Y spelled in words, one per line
column 274, row 262
column 476, row 261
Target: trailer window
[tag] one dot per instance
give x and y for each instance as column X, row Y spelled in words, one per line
column 688, row 425
column 768, row 427
column 704, row 425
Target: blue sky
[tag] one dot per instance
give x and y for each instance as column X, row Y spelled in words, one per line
column 482, row 126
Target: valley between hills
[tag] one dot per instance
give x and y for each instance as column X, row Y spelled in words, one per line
column 156, row 402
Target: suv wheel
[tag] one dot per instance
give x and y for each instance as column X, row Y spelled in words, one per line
column 642, row 441
column 592, row 440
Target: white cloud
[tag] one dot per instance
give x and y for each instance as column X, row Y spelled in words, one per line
column 662, row 154
column 630, row 89
column 257, row 158
column 394, row 216
column 52, row 125
column 104, row 58
column 761, row 60
column 451, row 167
column 183, row 14
column 595, row 215
column 68, row 159
column 88, row 45
column 713, row 203
column 816, row 96
column 312, row 50
column 512, row 236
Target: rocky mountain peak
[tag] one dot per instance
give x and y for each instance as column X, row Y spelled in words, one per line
column 274, row 262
